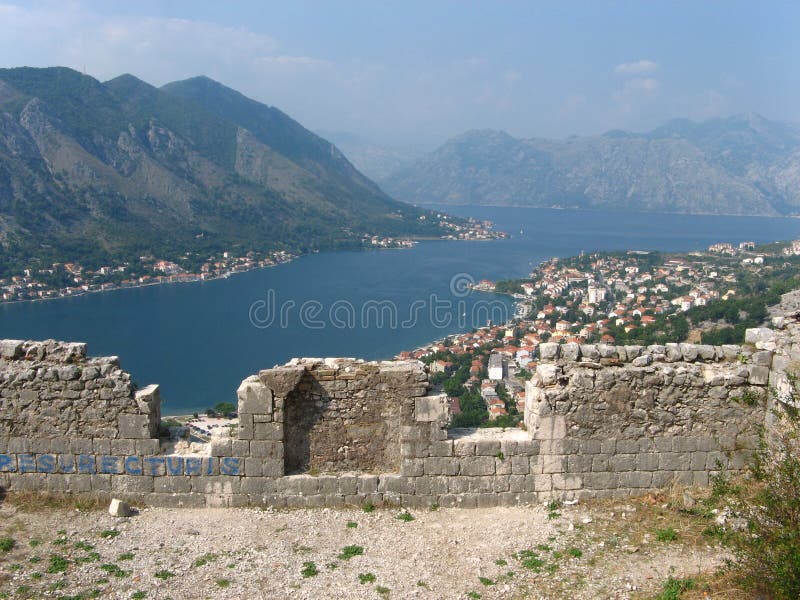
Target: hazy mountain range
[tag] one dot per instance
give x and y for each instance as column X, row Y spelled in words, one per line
column 740, row 165
column 90, row 170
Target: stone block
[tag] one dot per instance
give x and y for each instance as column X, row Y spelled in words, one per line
column 176, row 500
column 171, row 485
column 548, row 373
column 520, row 465
column 348, row 484
column 548, row 351
column 220, row 447
column 367, row 484
column 627, row 446
column 570, row 352
column 254, row 397
column 134, row 426
column 443, row 448
column 758, row 375
column 220, row 484
column 673, row 461
column 268, row 431
column 635, row 479
column 502, row 466
column 245, row 429
column 601, row 481
column 430, row 408
column 623, row 462
column 579, row 464
column 477, row 465
column 551, row 428
column 123, row 447
column 443, row 466
column 129, row 484
column 567, row 482
column 263, row 449
column 647, row 462
column 148, row 446
column 412, row 467
column 600, row 462
column 759, row 334
column 487, row 448
column 462, row 447
column 553, row 464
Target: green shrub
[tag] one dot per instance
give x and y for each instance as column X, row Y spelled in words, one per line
column 349, row 552
column 366, row 578
column 767, row 551
column 7, row 544
column 666, row 535
column 368, row 507
column 164, row 575
column 58, row 564
column 673, row 588
column 405, row 516
column 309, row 570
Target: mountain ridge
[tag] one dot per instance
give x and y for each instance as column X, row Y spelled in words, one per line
column 744, row 164
column 100, row 171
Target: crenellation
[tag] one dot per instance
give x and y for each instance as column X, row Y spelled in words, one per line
column 601, row 420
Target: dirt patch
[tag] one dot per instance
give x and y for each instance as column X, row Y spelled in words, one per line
column 596, row 550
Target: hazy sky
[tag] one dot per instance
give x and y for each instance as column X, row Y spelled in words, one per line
column 420, row 72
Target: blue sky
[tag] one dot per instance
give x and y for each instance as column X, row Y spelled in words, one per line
column 415, row 73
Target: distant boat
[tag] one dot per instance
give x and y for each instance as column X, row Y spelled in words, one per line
column 521, row 232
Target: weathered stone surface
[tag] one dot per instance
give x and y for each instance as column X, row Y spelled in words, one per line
column 548, row 351
column 430, row 408
column 119, row 508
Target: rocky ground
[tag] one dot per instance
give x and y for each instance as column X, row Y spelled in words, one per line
column 612, row 549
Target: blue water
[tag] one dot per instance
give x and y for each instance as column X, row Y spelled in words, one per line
column 199, row 340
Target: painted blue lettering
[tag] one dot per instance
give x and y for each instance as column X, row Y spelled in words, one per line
column 133, row 466
column 154, row 465
column 86, row 463
column 174, row 465
column 66, row 463
column 46, row 463
column 8, row 463
column 27, row 463
column 193, row 465
column 229, row 465
column 111, row 465
column 211, row 465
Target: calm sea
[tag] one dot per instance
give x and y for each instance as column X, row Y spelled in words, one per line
column 200, row 340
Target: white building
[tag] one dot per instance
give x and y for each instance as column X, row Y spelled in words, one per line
column 497, row 367
column 596, row 294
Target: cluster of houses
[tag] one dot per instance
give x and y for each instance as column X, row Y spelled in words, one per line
column 579, row 299
column 36, row 284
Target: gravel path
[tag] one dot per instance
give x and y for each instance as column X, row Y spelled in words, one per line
column 250, row 553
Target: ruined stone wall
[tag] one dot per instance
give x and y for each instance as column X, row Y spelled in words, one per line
column 615, row 420
column 51, row 390
column 601, row 421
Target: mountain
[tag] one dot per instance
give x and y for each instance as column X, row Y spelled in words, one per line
column 91, row 171
column 744, row 165
column 377, row 161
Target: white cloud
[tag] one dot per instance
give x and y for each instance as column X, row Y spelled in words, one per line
column 572, row 104
column 638, row 67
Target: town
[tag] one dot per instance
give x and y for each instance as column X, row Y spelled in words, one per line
column 634, row 297
column 69, row 279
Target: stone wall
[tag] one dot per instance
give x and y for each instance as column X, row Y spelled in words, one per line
column 51, row 390
column 617, row 420
column 601, row 421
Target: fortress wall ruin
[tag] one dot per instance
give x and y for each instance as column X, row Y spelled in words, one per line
column 601, row 421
